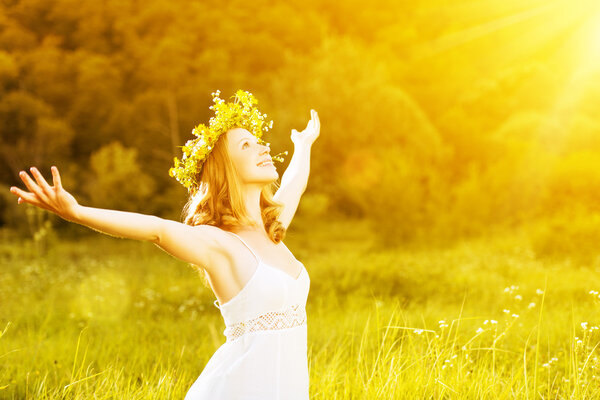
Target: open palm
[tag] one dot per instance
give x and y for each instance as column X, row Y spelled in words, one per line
column 52, row 198
column 310, row 133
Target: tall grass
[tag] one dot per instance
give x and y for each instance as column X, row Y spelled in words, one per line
column 107, row 318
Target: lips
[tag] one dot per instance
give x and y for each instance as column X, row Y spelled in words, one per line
column 265, row 162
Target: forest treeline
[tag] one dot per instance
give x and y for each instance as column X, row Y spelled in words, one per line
column 426, row 130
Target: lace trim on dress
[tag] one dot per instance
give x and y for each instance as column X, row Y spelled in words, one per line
column 289, row 318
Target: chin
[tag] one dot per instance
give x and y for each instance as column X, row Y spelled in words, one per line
column 268, row 176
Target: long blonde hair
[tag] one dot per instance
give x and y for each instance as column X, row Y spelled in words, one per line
column 219, row 201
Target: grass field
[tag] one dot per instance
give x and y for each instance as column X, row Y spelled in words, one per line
column 107, row 318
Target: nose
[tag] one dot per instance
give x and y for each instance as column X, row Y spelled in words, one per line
column 267, row 148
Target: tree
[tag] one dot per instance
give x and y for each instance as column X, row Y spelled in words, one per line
column 116, row 180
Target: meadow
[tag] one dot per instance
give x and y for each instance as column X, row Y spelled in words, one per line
column 459, row 143
column 108, row 318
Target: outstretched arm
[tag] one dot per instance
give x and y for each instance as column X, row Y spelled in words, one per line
column 293, row 184
column 56, row 199
column 295, row 178
column 193, row 244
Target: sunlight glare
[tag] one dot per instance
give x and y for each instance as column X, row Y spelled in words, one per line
column 588, row 47
column 595, row 37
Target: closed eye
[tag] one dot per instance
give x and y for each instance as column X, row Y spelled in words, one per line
column 247, row 143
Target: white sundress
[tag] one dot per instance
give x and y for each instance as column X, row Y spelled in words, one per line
column 265, row 353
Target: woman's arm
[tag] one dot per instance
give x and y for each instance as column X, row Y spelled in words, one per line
column 111, row 222
column 121, row 224
column 293, row 184
column 294, row 180
column 193, row 244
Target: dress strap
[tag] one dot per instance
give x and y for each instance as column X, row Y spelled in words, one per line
column 249, row 248
column 246, row 244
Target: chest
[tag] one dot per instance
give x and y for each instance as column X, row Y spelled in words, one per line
column 243, row 261
column 275, row 255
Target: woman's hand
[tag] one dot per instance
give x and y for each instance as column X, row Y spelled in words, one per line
column 309, row 134
column 52, row 198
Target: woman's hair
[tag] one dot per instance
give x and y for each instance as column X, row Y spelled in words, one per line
column 219, row 202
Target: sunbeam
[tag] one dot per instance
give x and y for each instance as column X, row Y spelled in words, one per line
column 592, row 31
column 455, row 39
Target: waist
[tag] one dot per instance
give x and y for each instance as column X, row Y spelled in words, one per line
column 293, row 316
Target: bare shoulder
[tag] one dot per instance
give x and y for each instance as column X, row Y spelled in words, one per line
column 225, row 245
column 224, row 249
column 204, row 245
column 220, row 239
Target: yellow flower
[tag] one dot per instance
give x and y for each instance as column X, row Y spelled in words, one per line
column 239, row 113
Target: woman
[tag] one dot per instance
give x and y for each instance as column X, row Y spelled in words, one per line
column 232, row 233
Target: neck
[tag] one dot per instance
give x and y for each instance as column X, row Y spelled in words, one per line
column 251, row 196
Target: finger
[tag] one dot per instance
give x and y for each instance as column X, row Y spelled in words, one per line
column 317, row 121
column 33, row 188
column 25, row 197
column 34, row 202
column 28, row 182
column 40, row 205
column 41, row 181
column 56, row 177
column 18, row 192
column 315, row 116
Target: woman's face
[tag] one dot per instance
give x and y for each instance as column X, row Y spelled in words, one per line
column 246, row 153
